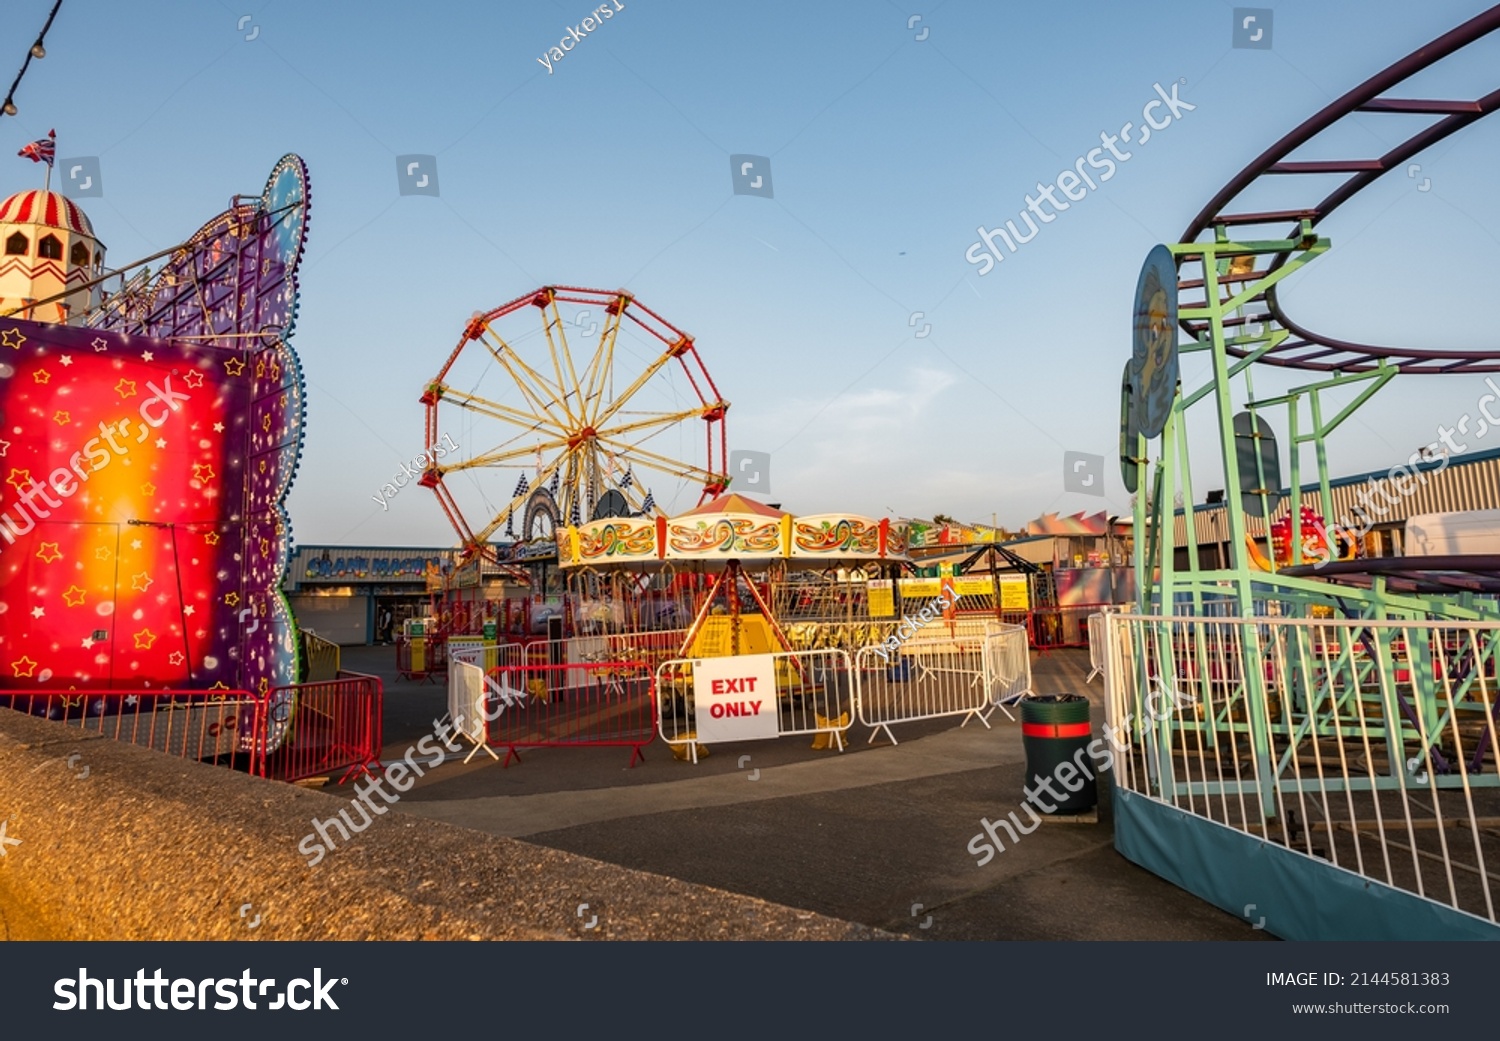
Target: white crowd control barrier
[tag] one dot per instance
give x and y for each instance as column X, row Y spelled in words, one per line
column 1096, row 647
column 929, row 676
column 466, row 703
column 1367, row 746
column 482, row 681
column 1007, row 667
column 749, row 697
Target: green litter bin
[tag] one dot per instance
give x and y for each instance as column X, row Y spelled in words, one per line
column 1055, row 731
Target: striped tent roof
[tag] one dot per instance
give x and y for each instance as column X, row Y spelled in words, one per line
column 48, row 208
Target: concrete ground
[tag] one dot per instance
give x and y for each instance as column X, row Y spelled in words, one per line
column 876, row 834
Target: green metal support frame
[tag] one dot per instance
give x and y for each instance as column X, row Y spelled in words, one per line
column 1240, row 588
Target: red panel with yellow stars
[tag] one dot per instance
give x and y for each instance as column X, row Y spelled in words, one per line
column 124, row 510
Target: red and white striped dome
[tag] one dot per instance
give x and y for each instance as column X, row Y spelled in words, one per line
column 48, row 208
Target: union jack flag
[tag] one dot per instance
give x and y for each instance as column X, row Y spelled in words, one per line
column 42, row 150
column 649, row 503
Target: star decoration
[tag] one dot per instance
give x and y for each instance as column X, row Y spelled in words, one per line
column 265, row 546
column 61, row 418
column 262, row 466
column 41, row 375
column 234, row 366
column 193, row 379
column 188, row 610
column 144, row 639
column 23, row 667
column 131, row 700
column 4, row 447
column 231, row 598
column 265, row 684
column 37, row 612
column 65, row 360
column 260, row 369
column 70, row 594
column 100, row 343
column 148, row 489
column 212, row 538
column 12, row 338
column 19, row 479
column 48, row 553
column 175, row 658
column 220, row 685
column 275, row 371
column 142, row 582
column 218, row 428
column 102, row 553
column 146, row 356
column 88, row 643
column 119, row 388
column 203, row 472
column 265, row 422
column 135, row 544
column 161, row 442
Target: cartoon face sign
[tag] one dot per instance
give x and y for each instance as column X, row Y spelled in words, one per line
column 1153, row 363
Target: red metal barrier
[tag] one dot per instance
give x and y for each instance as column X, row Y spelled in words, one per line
column 434, row 661
column 334, row 725
column 1056, row 627
column 599, row 704
column 220, row 727
column 312, row 728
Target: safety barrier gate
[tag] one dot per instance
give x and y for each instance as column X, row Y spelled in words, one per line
column 814, row 694
column 421, row 657
column 933, row 675
column 474, row 673
column 536, row 705
column 329, row 726
column 211, row 726
column 287, row 734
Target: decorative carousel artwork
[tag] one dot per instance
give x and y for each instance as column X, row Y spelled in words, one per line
column 838, row 534
column 732, row 527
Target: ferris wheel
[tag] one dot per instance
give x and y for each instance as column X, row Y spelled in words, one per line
column 565, row 405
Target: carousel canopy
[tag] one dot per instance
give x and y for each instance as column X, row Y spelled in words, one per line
column 732, row 527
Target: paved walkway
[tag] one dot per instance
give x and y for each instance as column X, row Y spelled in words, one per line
column 877, row 834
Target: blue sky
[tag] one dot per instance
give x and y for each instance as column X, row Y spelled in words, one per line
column 887, row 153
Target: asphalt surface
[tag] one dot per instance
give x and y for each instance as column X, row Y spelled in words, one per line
column 876, row 835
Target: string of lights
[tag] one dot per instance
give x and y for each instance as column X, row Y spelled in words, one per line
column 37, row 51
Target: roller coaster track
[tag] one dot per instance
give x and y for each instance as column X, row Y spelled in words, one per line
column 1303, row 348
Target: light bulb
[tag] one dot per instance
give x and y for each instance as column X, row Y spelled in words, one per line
column 37, row 50
column 10, row 108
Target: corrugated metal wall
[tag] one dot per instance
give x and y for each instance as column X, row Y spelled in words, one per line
column 1472, row 484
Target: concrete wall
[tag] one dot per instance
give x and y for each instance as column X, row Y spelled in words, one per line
column 122, row 843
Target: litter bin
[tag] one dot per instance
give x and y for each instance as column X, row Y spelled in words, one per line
column 1055, row 728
